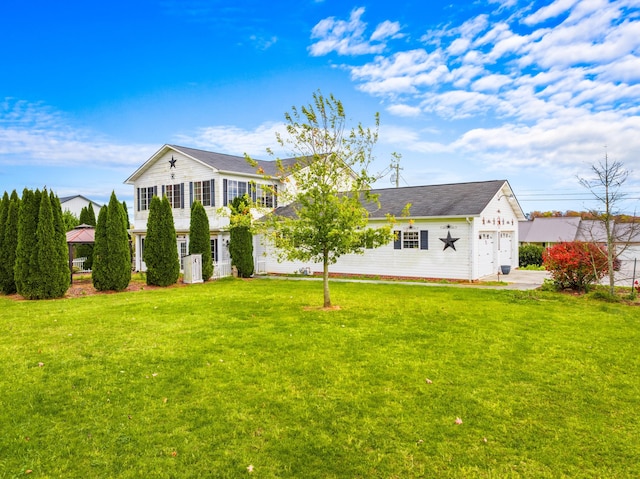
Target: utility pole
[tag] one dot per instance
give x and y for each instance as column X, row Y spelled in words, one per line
column 395, row 167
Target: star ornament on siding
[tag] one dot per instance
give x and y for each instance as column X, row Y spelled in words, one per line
column 172, row 162
column 449, row 242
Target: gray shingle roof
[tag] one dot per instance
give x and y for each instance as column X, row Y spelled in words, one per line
column 238, row 164
column 457, row 199
column 549, row 230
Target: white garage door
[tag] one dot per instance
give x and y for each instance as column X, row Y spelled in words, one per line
column 506, row 252
column 485, row 254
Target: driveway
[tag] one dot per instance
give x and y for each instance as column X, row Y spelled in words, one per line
column 519, row 279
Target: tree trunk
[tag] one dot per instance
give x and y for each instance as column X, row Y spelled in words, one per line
column 325, row 279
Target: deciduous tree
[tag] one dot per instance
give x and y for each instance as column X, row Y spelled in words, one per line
column 606, row 186
column 328, row 184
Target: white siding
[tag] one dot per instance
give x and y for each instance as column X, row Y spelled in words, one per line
column 186, row 170
column 75, row 205
column 435, row 262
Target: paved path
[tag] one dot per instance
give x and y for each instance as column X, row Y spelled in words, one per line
column 519, row 279
column 516, row 279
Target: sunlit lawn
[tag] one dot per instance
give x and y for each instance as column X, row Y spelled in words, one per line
column 236, row 378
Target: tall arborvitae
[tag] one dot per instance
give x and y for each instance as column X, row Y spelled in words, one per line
column 62, row 266
column 47, row 280
column 26, row 252
column 9, row 245
column 111, row 258
column 160, row 247
column 240, row 236
column 118, row 246
column 4, row 210
column 87, row 217
column 200, row 238
column 100, row 252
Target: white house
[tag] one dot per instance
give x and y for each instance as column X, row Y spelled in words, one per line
column 74, row 204
column 185, row 175
column 456, row 231
column 461, row 231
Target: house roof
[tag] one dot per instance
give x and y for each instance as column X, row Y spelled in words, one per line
column 450, row 200
column 64, row 199
column 456, row 199
column 217, row 161
column 549, row 230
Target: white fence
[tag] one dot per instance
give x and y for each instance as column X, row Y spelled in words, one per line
column 78, row 265
column 221, row 269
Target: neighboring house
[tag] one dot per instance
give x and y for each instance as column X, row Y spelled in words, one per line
column 549, row 231
column 74, row 204
column 457, row 231
column 460, row 231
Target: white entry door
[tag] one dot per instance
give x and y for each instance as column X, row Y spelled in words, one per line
column 486, row 263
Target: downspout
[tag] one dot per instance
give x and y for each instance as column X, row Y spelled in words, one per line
column 471, row 243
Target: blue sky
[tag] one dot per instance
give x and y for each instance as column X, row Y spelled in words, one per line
column 531, row 92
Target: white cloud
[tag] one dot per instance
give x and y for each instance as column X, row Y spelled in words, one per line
column 386, row 29
column 553, row 10
column 235, row 141
column 404, row 110
column 32, row 133
column 491, row 83
column 348, row 37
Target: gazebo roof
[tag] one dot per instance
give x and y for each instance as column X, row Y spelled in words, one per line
column 82, row 234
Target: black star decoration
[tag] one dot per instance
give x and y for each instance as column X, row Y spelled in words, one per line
column 172, row 162
column 449, row 241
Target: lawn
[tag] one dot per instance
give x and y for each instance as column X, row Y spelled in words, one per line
column 243, row 379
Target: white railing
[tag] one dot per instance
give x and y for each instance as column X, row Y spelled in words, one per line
column 221, row 269
column 78, row 265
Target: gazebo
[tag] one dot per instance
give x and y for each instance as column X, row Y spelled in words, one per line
column 82, row 234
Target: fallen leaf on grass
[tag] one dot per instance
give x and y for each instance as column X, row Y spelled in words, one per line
column 429, row 381
column 250, row 468
column 40, row 365
column 458, row 420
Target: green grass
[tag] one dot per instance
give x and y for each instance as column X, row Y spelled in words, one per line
column 206, row 380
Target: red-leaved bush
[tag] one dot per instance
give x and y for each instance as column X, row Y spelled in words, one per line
column 576, row 265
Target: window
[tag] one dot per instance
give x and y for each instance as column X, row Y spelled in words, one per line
column 144, row 197
column 214, row 249
column 174, row 195
column 232, row 189
column 203, row 192
column 411, row 239
column 264, row 195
